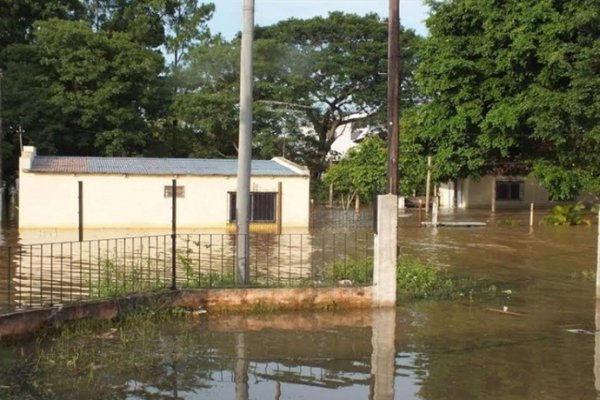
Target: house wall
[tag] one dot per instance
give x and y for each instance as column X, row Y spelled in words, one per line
column 478, row 193
column 51, row 200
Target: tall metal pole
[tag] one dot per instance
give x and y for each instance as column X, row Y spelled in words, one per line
column 393, row 94
column 245, row 146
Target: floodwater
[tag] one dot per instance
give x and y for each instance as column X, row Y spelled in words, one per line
column 545, row 347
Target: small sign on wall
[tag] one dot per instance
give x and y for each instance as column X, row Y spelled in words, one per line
column 179, row 191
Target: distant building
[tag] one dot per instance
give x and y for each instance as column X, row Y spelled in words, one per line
column 508, row 192
column 120, row 192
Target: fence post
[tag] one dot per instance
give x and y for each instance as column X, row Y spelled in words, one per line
column 531, row 215
column 493, row 194
column 330, row 204
column 80, row 208
column 174, row 235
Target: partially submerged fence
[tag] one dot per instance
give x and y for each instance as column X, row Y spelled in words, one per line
column 49, row 274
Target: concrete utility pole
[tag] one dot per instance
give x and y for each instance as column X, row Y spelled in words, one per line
column 385, row 246
column 242, row 204
column 393, row 94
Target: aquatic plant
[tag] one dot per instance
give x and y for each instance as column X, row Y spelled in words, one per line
column 418, row 280
column 573, row 214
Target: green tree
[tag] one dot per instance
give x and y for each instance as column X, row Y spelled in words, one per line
column 362, row 170
column 17, row 18
column 513, row 85
column 186, row 27
column 102, row 84
column 334, row 72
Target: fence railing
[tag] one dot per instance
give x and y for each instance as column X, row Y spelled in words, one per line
column 48, row 274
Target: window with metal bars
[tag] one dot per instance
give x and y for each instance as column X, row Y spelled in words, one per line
column 509, row 190
column 262, row 206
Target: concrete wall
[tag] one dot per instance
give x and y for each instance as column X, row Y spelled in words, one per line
column 478, row 193
column 211, row 301
column 51, row 200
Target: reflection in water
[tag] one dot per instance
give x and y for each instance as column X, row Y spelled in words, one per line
column 384, row 354
column 241, row 368
column 427, row 350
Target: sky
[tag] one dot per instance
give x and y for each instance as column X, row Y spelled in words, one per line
column 227, row 18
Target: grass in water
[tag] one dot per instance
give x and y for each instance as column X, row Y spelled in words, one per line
column 415, row 279
column 418, row 280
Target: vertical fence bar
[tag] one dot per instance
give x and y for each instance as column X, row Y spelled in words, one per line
column 89, row 269
column 41, row 292
column 9, row 263
column 124, row 265
column 301, row 256
column 289, row 259
column 210, row 258
column 80, row 286
column 98, row 273
column 70, row 272
column 80, row 197
column 31, row 276
column 61, row 271
column 134, row 277
column 267, row 259
column 174, row 236
column 280, row 239
column 19, row 273
column 223, row 261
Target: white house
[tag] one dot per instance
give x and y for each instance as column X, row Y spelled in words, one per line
column 507, row 192
column 119, row 192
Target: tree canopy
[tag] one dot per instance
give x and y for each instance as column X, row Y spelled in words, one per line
column 513, row 86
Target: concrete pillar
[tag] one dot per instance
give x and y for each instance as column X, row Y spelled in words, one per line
column 383, row 358
column 385, row 252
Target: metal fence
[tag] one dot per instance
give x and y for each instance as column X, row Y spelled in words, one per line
column 58, row 273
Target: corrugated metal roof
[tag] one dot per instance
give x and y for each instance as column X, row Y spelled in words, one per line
column 154, row 166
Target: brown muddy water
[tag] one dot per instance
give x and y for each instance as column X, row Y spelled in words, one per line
column 445, row 349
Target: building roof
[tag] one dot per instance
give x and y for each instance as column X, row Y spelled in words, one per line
column 160, row 166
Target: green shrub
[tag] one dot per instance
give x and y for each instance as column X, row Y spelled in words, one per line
column 567, row 215
column 417, row 280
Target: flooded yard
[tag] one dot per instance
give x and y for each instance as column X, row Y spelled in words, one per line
column 546, row 347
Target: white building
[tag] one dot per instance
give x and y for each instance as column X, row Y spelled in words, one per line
column 508, row 192
column 119, row 192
